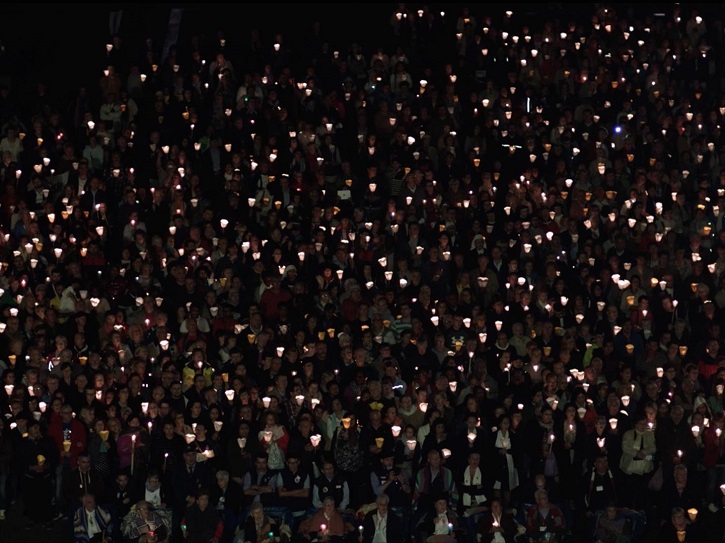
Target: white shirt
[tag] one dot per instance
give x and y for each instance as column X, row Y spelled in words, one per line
column 93, row 527
column 153, row 497
column 381, row 525
column 441, row 525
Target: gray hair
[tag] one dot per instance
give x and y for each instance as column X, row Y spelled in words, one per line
column 383, row 499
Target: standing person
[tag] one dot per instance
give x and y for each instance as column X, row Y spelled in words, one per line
column 227, row 496
column 503, row 450
column 637, row 462
column 189, row 478
column 67, row 432
column 37, row 459
column 81, row 481
column 293, row 488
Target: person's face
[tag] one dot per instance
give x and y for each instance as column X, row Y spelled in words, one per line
column 89, row 503
column 382, row 509
column 84, row 463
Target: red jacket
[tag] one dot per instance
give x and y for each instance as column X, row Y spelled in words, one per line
column 78, row 439
column 714, row 446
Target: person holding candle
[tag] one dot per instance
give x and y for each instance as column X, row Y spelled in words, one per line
column 326, row 523
column 568, row 447
column 36, row 456
column 432, row 479
column 503, row 451
column 680, row 529
column 143, row 524
column 63, row 430
column 441, row 524
column 497, row 525
column 273, row 439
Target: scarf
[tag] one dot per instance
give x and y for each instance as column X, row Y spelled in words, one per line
column 474, row 482
column 513, row 475
column 102, row 520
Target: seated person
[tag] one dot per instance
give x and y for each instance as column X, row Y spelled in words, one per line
column 202, row 523
column 379, row 525
column 439, row 525
column 91, row 523
column 326, row 523
column 153, row 492
column 544, row 520
column 497, row 525
column 259, row 527
column 144, row 525
column 612, row 527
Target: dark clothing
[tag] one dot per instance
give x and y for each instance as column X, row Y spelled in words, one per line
column 202, row 526
column 187, row 481
column 393, row 527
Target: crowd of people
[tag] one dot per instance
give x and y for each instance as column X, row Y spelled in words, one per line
column 467, row 287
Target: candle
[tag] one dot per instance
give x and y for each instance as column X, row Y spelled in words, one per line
column 166, row 456
column 133, row 450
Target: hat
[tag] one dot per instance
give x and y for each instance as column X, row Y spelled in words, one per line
column 387, row 452
column 24, row 415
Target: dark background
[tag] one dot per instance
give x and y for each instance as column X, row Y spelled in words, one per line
column 63, row 44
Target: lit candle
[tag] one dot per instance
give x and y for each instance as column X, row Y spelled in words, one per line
column 133, row 450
